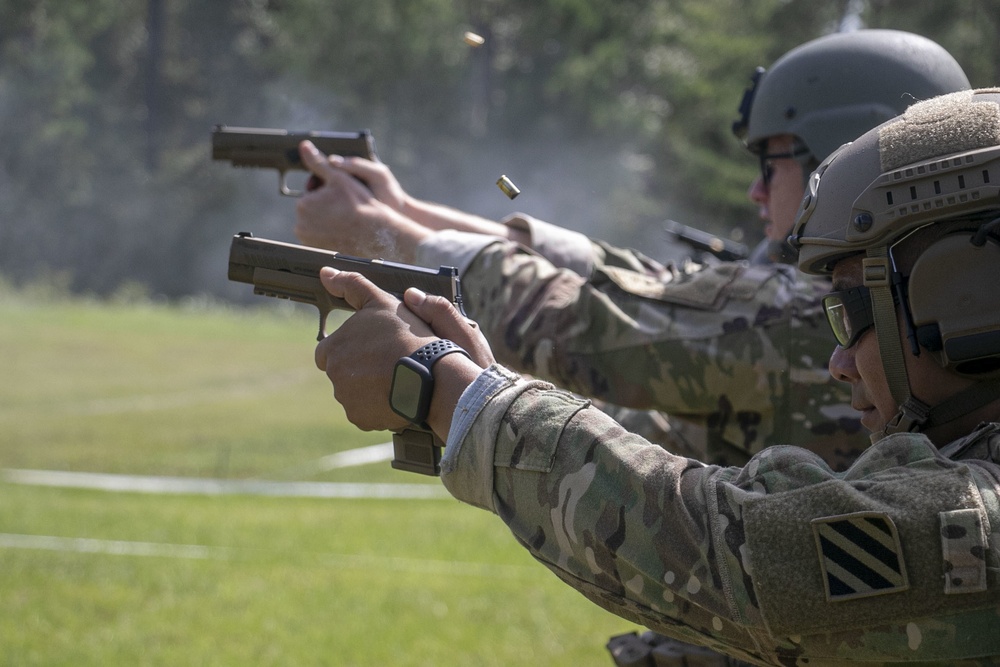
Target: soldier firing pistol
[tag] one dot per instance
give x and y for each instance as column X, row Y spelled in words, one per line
column 289, row 271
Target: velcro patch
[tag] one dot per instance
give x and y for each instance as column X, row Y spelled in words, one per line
column 860, row 555
column 963, row 547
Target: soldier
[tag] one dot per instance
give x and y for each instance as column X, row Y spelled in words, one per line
column 782, row 561
column 733, row 351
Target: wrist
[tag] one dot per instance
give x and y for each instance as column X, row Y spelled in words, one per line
column 412, row 208
column 402, row 235
column 414, row 382
column 452, row 376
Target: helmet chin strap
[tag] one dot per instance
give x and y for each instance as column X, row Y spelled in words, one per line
column 877, row 274
column 913, row 414
column 919, row 417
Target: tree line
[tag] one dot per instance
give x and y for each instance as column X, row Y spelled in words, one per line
column 609, row 115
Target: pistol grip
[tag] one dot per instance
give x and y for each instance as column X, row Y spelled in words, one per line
column 416, row 450
column 324, row 312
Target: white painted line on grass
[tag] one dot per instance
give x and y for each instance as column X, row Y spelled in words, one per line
column 114, row 547
column 352, row 457
column 357, row 457
column 419, row 566
column 443, row 568
column 216, row 487
column 249, row 387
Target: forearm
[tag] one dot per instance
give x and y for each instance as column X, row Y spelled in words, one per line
column 579, row 493
column 452, row 375
column 572, row 250
column 737, row 350
column 564, row 248
column 595, row 338
column 439, row 217
column 397, row 241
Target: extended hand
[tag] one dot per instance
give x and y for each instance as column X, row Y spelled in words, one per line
column 359, row 356
column 343, row 214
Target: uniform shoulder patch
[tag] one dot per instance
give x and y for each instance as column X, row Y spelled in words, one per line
column 859, row 555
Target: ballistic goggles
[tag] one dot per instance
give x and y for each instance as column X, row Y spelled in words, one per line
column 849, row 313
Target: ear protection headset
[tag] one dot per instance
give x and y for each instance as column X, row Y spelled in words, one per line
column 954, row 300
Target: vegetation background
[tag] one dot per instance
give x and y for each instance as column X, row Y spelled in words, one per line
column 609, row 115
column 118, row 358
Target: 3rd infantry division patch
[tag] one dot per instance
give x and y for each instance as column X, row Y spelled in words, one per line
column 860, row 555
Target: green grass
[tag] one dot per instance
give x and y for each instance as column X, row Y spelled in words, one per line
column 215, row 392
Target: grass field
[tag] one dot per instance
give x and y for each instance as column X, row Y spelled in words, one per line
column 92, row 577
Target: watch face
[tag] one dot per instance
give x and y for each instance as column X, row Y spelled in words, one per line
column 410, row 393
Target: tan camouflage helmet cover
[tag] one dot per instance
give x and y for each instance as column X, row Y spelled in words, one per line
column 939, row 160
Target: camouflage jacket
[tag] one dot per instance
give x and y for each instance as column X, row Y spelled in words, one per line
column 738, row 352
column 781, row 562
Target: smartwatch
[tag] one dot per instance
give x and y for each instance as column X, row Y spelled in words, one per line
column 413, row 382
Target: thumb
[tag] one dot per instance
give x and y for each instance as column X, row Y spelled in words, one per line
column 315, row 161
column 446, row 322
column 353, row 288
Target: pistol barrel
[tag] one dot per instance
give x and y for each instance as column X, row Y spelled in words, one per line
column 279, row 149
column 291, row 271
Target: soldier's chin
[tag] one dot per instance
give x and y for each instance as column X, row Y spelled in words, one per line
column 871, row 420
column 773, row 233
column 770, row 231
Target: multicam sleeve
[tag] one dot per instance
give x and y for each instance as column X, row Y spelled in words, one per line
column 568, row 249
column 740, row 350
column 596, row 504
column 565, row 248
column 782, row 561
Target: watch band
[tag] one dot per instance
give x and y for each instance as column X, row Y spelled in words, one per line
column 430, row 353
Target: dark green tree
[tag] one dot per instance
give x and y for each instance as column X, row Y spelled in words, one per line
column 611, row 115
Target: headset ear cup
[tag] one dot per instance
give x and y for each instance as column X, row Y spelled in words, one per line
column 953, row 290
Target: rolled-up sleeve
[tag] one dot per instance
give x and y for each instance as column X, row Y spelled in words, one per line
column 452, row 248
column 562, row 247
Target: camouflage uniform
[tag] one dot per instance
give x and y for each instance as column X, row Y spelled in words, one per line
column 780, row 562
column 737, row 352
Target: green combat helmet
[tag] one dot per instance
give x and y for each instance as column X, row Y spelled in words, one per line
column 833, row 89
column 933, row 172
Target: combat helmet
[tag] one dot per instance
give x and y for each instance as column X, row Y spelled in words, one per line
column 930, row 177
column 833, row 89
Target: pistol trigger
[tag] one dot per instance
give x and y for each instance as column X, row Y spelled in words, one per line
column 322, row 324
